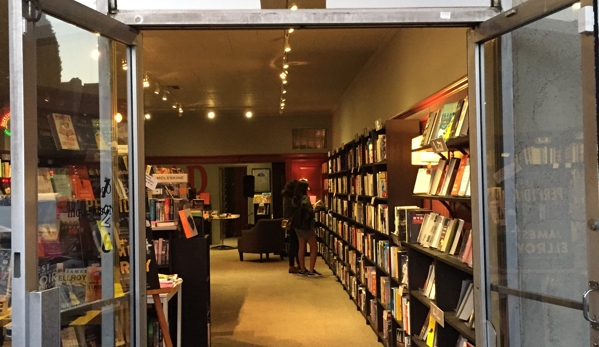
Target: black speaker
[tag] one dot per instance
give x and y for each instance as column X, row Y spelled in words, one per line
column 248, row 186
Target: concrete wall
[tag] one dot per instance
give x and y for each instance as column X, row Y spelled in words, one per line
column 413, row 65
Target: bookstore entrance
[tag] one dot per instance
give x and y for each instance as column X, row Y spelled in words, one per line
column 531, row 206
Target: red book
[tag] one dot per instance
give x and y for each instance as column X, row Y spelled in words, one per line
column 467, row 250
column 82, row 186
column 458, row 178
column 167, row 209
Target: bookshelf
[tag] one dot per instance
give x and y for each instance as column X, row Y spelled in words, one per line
column 355, row 230
column 393, row 279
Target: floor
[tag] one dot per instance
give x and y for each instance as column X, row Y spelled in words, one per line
column 261, row 305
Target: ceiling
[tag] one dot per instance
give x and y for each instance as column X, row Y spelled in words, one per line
column 234, row 71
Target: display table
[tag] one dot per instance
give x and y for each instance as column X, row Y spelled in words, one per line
column 223, row 217
column 159, row 298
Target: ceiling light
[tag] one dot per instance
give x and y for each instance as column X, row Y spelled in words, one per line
column 211, row 115
column 283, row 75
column 287, row 48
column 286, row 66
column 118, row 117
column 291, row 30
column 285, row 82
column 124, row 65
column 174, row 105
column 284, row 91
column 164, row 96
column 146, row 82
column 576, row 6
column 293, row 7
column 148, row 116
column 282, row 104
column 95, row 54
column 157, row 90
column 180, row 111
column 248, row 114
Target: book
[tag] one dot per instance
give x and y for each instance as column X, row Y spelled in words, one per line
column 72, row 284
column 465, row 179
column 381, row 184
column 463, row 116
column 44, row 181
column 45, row 139
column 61, row 182
column 449, row 178
column 447, row 242
column 431, row 331
column 68, row 337
column 424, row 329
column 428, row 228
column 447, row 115
column 85, row 132
column 459, row 175
column 457, row 241
column 467, row 304
column 80, row 181
column 441, row 224
column 410, row 222
column 465, row 284
column 467, row 251
column 423, row 181
column 451, row 128
column 427, row 128
column 438, row 177
column 189, row 226
column 94, row 283
column 63, row 131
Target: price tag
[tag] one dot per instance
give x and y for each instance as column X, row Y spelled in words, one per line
column 438, row 314
column 151, row 182
column 439, row 145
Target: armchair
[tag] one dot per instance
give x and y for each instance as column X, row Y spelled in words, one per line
column 265, row 237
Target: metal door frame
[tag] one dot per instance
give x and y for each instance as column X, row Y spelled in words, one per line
column 504, row 23
column 31, row 324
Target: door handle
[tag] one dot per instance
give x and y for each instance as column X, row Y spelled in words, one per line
column 593, row 286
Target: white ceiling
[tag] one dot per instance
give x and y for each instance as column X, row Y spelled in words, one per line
column 232, row 71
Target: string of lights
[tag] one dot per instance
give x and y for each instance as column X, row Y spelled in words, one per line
column 285, row 72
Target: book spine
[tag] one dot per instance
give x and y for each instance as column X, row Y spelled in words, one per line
column 152, row 207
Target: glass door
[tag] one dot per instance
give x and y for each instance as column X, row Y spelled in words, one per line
column 77, row 275
column 536, row 144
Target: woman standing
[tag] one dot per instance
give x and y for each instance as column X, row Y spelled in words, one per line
column 303, row 223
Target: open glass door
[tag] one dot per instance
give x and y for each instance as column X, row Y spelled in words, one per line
column 78, row 269
column 536, row 137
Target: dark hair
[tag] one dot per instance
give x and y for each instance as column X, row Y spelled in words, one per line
column 289, row 188
column 301, row 188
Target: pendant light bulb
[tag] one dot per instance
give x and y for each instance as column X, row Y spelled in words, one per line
column 164, row 97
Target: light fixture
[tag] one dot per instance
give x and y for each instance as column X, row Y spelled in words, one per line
column 180, row 111
column 118, row 117
column 148, row 116
column 287, row 48
column 175, row 105
column 286, row 66
column 283, row 75
column 291, row 30
column 282, row 104
column 248, row 114
column 95, row 54
column 284, row 91
column 157, row 90
column 124, row 65
column 293, row 7
column 576, row 6
column 164, row 97
column 146, row 82
column 211, row 115
column 285, row 82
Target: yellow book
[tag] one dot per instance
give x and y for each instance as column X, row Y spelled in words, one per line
column 430, row 334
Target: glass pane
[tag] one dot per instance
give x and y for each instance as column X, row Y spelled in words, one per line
column 535, row 184
column 83, row 215
column 5, row 225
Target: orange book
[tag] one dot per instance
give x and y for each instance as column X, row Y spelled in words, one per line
column 80, row 182
column 458, row 178
column 205, row 197
column 189, row 226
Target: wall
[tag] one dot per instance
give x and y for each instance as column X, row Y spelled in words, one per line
column 413, row 65
column 194, row 135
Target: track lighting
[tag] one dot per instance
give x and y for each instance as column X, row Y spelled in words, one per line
column 285, row 82
column 164, row 97
column 285, row 66
column 283, row 75
column 287, row 48
column 146, row 82
column 174, row 105
column 284, row 91
column 157, row 90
